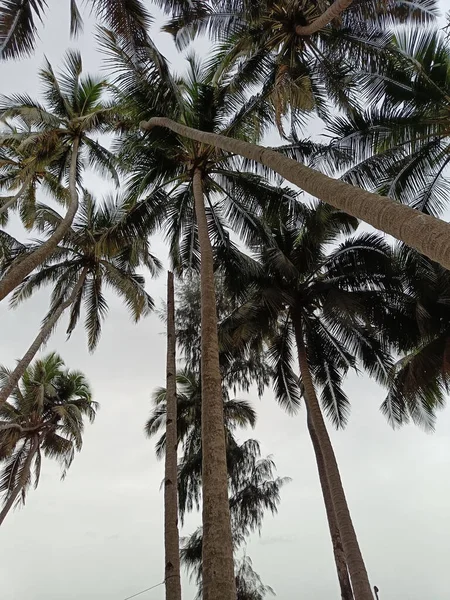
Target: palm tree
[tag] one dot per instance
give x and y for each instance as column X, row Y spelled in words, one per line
column 401, row 147
column 422, row 232
column 79, row 268
column 45, row 416
column 194, row 175
column 22, row 170
column 300, row 53
column 128, row 19
column 62, row 131
column 419, row 380
column 18, row 22
column 329, row 303
column 171, row 534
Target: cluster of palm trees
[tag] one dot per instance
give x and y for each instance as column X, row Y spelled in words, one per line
column 278, row 276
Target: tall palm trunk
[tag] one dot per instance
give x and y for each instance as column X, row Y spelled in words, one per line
column 425, row 233
column 355, row 562
column 22, row 480
column 171, row 534
column 217, row 566
column 333, row 12
column 26, row 265
column 338, row 550
column 40, row 339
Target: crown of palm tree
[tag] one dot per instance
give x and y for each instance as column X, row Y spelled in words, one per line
column 298, row 71
column 75, row 106
column 339, row 293
column 22, row 170
column 37, row 140
column 233, row 195
column 45, row 416
column 421, row 377
column 400, row 145
column 87, row 252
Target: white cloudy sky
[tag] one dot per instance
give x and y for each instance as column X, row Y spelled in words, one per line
column 98, row 535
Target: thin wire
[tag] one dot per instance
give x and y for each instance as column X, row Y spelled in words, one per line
column 147, row 590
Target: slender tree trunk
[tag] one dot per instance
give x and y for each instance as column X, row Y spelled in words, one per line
column 338, row 550
column 217, row 566
column 23, row 479
column 24, row 266
column 355, row 562
column 39, row 340
column 326, row 17
column 428, row 235
column 171, row 534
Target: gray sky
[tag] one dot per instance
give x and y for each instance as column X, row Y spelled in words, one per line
column 98, row 535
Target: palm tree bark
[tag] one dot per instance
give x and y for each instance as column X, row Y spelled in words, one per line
column 40, row 339
column 26, row 265
column 425, row 233
column 333, row 12
column 357, row 569
column 171, row 534
column 338, row 550
column 23, row 479
column 217, row 566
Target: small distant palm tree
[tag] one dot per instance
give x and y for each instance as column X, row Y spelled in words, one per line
column 89, row 258
column 63, row 132
column 45, row 417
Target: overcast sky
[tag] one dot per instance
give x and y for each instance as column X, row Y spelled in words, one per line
column 98, row 535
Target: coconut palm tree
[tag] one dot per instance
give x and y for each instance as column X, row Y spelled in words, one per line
column 79, row 268
column 328, row 302
column 44, row 417
column 420, row 378
column 19, row 19
column 62, row 130
column 206, row 193
column 22, row 170
column 401, row 147
column 301, row 53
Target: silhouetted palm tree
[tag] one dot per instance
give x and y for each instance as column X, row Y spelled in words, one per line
column 45, row 417
column 333, row 303
column 62, row 130
column 83, row 263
